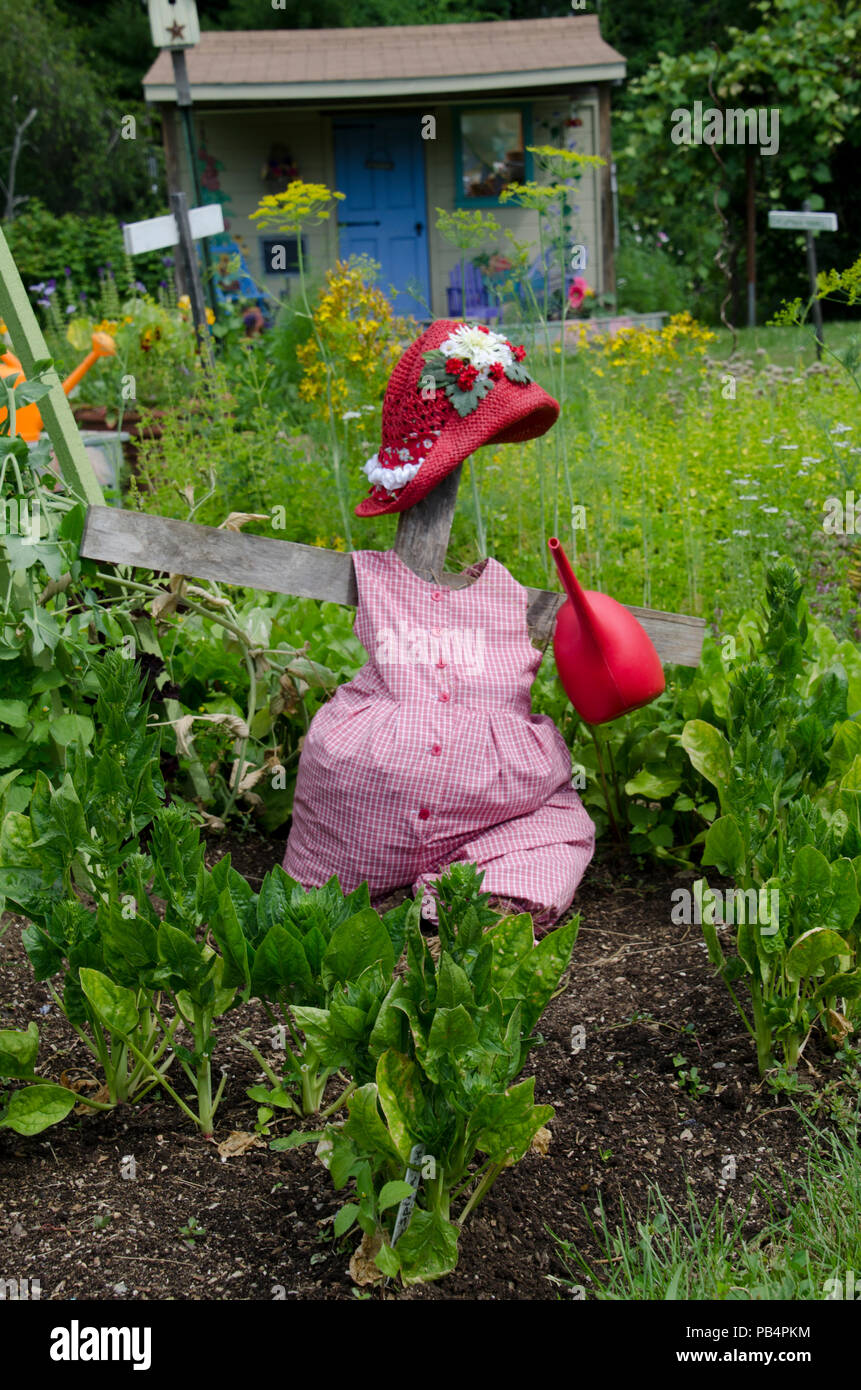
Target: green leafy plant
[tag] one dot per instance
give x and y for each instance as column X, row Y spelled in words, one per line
column 119, row 960
column 689, row 1078
column 322, row 962
column 839, row 286
column 787, row 774
column 247, row 683
column 32, row 1108
column 192, row 1232
column 45, row 634
column 449, row 1041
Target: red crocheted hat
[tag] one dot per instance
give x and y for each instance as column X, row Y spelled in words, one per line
column 457, row 387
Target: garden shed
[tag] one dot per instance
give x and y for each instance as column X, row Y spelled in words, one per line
column 402, row 120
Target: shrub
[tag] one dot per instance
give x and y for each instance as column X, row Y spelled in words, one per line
column 65, row 247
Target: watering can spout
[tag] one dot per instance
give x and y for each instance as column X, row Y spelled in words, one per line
column 605, row 659
column 103, row 346
column 571, row 585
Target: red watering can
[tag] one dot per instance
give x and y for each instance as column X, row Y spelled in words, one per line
column 606, row 662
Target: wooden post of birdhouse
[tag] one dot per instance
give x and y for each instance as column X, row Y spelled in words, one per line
column 175, row 26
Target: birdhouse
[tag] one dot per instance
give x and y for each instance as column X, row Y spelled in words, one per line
column 174, row 23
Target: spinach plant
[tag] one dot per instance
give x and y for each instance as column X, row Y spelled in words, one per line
column 449, row 1041
column 28, row 1109
column 321, row 961
column 788, row 779
column 75, row 843
column 75, row 867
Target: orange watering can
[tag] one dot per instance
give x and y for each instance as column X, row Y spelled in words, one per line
column 28, row 421
column 606, row 661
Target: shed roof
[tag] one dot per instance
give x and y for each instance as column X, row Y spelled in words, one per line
column 398, row 60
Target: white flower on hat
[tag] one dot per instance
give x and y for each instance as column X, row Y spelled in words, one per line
column 474, row 345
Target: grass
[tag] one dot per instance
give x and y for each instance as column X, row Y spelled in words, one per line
column 690, row 475
column 687, row 1254
column 672, row 477
column 788, row 346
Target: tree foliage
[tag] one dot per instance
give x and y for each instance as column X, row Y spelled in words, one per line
column 75, row 158
column 798, row 60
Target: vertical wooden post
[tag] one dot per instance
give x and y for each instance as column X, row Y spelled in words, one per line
column 811, row 271
column 183, row 102
column 179, row 208
column 605, row 193
column 29, row 346
column 173, row 170
column 751, row 238
column 424, row 530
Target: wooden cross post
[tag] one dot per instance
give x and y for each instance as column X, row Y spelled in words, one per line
column 181, row 227
column 139, row 540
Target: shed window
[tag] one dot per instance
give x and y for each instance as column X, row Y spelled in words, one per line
column 491, row 152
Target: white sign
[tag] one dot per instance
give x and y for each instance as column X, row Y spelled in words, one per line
column 174, row 23
column 163, row 231
column 804, row 221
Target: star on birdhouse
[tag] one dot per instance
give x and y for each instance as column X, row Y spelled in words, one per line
column 174, row 23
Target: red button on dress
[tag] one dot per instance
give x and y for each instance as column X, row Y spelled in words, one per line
column 444, row 695
column 424, row 813
column 436, row 749
column 436, row 594
column 440, row 663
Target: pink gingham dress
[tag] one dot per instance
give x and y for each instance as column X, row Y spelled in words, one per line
column 432, row 754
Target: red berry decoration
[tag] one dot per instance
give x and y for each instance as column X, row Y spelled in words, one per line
column 518, row 353
column 466, row 377
column 496, row 371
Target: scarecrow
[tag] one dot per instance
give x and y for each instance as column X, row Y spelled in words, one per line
column 431, row 754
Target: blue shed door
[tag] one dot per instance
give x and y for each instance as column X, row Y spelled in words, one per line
column 379, row 165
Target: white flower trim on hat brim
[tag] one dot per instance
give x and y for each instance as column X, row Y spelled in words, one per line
column 390, row 478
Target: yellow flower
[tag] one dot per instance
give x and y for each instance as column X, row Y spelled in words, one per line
column 300, row 204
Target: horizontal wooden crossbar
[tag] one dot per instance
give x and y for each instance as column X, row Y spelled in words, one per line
column 120, row 537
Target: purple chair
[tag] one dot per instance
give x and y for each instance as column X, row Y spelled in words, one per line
column 478, row 302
